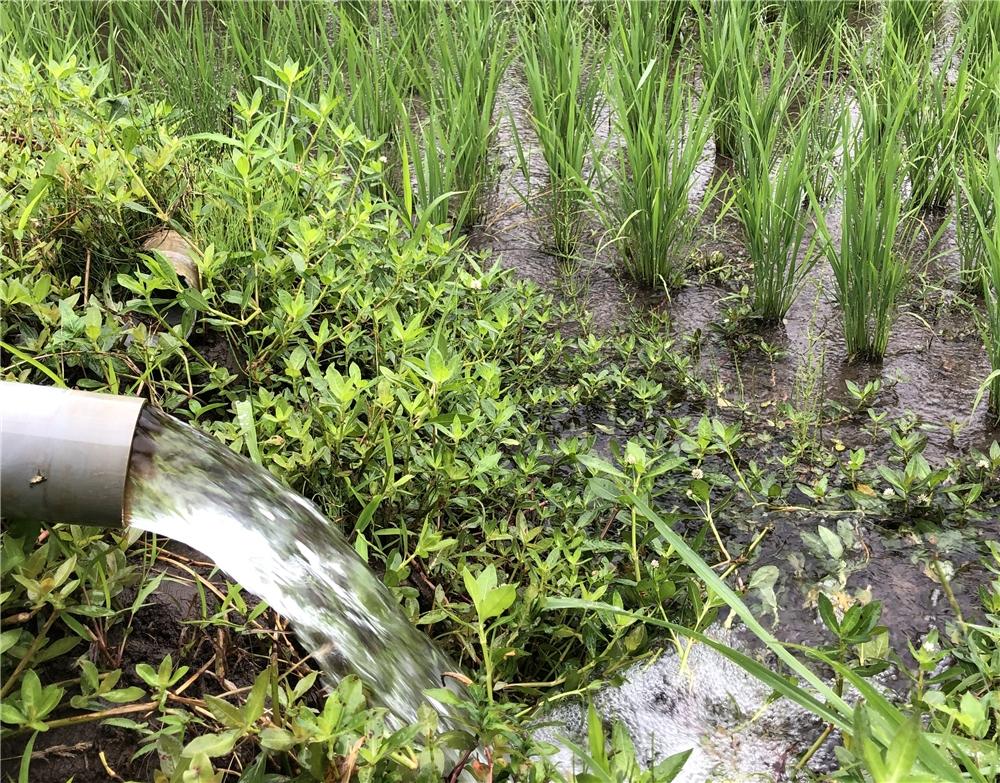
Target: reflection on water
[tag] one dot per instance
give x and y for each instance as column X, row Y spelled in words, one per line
column 276, row 544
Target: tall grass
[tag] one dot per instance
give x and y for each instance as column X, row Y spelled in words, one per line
column 772, row 206
column 663, row 129
column 725, row 34
column 913, row 20
column 376, row 75
column 868, row 272
column 815, row 26
column 976, row 209
column 825, row 110
column 470, row 54
column 932, row 120
column 563, row 98
column 988, row 196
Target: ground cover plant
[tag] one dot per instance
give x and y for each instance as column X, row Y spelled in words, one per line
column 550, row 497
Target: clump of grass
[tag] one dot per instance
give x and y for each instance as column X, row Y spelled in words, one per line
column 725, row 40
column 815, row 26
column 981, row 186
column 976, row 209
column 376, row 75
column 563, row 110
column 663, row 131
column 913, row 20
column 773, row 209
column 868, row 272
column 470, row 57
column 825, row 112
column 931, row 124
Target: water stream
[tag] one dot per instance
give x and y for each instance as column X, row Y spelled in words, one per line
column 277, row 545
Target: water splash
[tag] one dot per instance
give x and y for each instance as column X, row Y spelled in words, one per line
column 189, row 487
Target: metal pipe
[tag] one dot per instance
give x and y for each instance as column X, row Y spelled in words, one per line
column 64, row 454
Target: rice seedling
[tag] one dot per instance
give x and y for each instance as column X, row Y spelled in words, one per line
column 825, row 111
column 815, row 26
column 563, row 100
column 470, row 57
column 773, row 210
column 868, row 272
column 725, row 36
column 976, row 210
column 931, row 123
column 375, row 74
column 663, row 130
column 981, row 30
column 913, row 20
column 981, row 186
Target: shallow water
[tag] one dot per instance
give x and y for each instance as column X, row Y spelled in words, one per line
column 277, row 545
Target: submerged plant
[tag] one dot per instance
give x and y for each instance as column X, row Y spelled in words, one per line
column 868, row 271
column 664, row 130
column 563, row 111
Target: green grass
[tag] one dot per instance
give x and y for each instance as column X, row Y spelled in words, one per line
column 772, row 202
column 868, row 270
column 467, row 57
column 815, row 26
column 976, row 210
column 563, row 95
column 644, row 202
column 726, row 34
column 980, row 185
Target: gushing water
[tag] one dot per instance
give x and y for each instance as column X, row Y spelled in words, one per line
column 276, row 544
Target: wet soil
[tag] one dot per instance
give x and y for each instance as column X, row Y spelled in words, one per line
column 170, row 623
column 932, row 373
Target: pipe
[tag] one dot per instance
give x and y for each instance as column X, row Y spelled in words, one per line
column 64, row 454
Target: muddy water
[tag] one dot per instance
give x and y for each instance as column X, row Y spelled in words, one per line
column 933, row 369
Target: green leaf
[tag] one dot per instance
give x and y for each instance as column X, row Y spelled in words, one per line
column 212, row 745
column 497, row 602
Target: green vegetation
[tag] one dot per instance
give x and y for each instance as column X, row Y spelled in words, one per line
column 550, row 500
column 563, row 111
column 663, row 128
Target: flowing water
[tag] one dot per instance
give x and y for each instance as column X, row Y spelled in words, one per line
column 191, row 488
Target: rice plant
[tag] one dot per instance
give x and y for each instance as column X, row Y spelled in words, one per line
column 913, row 20
column 773, row 209
column 868, row 272
column 375, row 74
column 470, row 57
column 564, row 106
column 981, row 30
column 931, row 124
column 815, row 26
column 725, row 36
column 976, row 210
column 663, row 130
column 982, row 192
column 825, row 112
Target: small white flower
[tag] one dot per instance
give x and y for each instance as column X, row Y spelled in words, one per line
column 888, row 492
column 984, row 464
column 383, row 158
column 697, row 473
column 654, row 563
column 476, row 284
column 924, row 500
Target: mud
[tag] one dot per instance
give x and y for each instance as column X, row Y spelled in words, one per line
column 932, row 372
